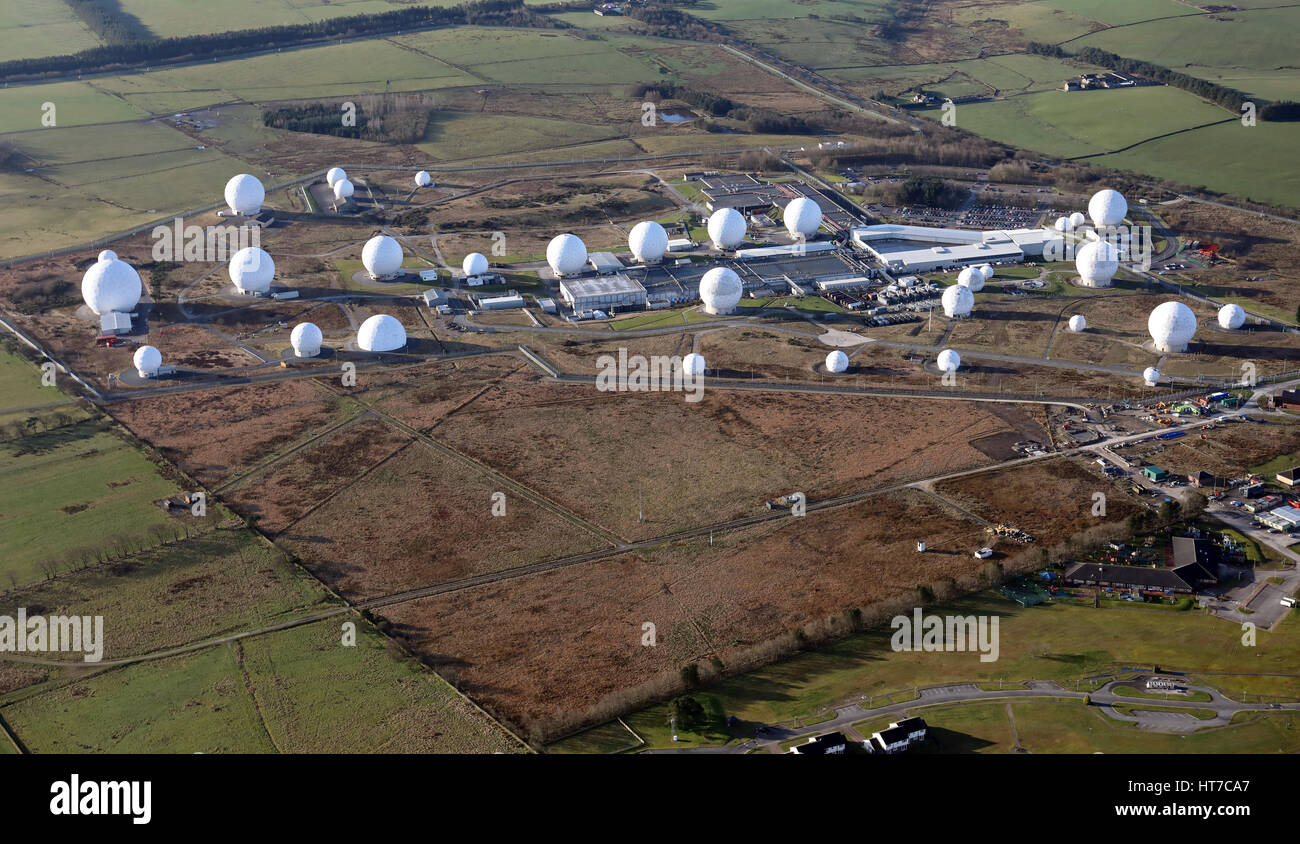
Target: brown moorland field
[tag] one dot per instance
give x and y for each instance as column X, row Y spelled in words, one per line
column 536, row 647
column 1050, row 499
column 214, row 434
column 686, row 464
column 420, row 518
column 1229, row 451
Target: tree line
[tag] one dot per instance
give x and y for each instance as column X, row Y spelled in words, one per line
column 137, row 53
column 113, row 25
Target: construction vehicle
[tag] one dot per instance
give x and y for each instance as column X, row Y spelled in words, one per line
column 108, row 341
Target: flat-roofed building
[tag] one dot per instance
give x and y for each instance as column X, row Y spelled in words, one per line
column 916, row 249
column 602, row 293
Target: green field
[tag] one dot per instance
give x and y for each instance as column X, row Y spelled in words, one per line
column 296, row 691
column 167, row 18
column 34, row 28
column 22, row 394
column 77, row 486
column 458, row 135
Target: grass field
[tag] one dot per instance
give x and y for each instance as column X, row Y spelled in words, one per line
column 167, row 18
column 33, row 28
column 296, row 691
column 72, row 487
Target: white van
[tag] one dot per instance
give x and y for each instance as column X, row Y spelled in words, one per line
column 1288, row 602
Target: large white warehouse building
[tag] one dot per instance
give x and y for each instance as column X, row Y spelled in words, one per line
column 601, row 293
column 920, row 249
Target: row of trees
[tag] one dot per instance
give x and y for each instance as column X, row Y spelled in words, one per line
column 138, row 53
column 113, row 25
column 393, row 118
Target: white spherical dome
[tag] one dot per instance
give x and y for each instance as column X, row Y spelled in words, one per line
column 1078, row 323
column 1231, row 317
column 1076, row 219
column 245, row 194
column 720, row 288
column 382, row 256
column 1151, row 376
column 1172, row 326
column 648, row 241
column 111, row 286
column 335, row 175
column 693, row 364
column 802, row 217
column 958, row 300
column 381, row 333
column 948, row 361
column 1107, row 208
column 107, row 255
column 423, row 179
column 1061, row 224
column 343, row 189
column 726, row 228
column 986, row 270
column 971, row 277
column 1097, row 261
column 147, row 359
column 306, row 339
column 475, row 263
column 251, row 269
column 567, row 254
column 837, row 361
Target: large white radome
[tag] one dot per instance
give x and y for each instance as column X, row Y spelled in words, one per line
column 335, row 175
column 567, row 254
column 971, row 277
column 475, row 263
column 1076, row 219
column 381, row 333
column 1232, row 317
column 1097, row 261
column 1078, row 323
column 423, row 179
column 802, row 217
column 1061, row 224
column 306, row 338
column 1172, row 326
column 343, row 189
column 837, row 361
column 957, row 301
column 1107, row 208
column 1151, row 376
column 107, row 255
column 948, row 361
column 147, row 360
column 111, row 286
column 382, row 256
column 693, row 364
column 245, row 194
column 720, row 289
column 251, row 269
column 726, row 228
column 648, row 241
column 986, row 270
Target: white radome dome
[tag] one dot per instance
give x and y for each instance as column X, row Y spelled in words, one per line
column 475, row 263
column 147, row 360
column 726, row 228
column 567, row 254
column 720, row 289
column 343, row 189
column 382, row 256
column 693, row 364
column 948, row 361
column 987, row 271
column 335, row 175
column 381, row 333
column 111, row 286
column 1107, row 208
column 972, row 278
column 1061, row 224
column 837, row 362
column 1232, row 317
column 1172, row 326
column 647, row 241
column 1097, row 261
column 1076, row 219
column 1078, row 323
column 251, row 269
column 306, row 338
column 1151, row 376
column 107, row 255
column 802, row 217
column 423, row 179
column 957, row 301
column 245, row 194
